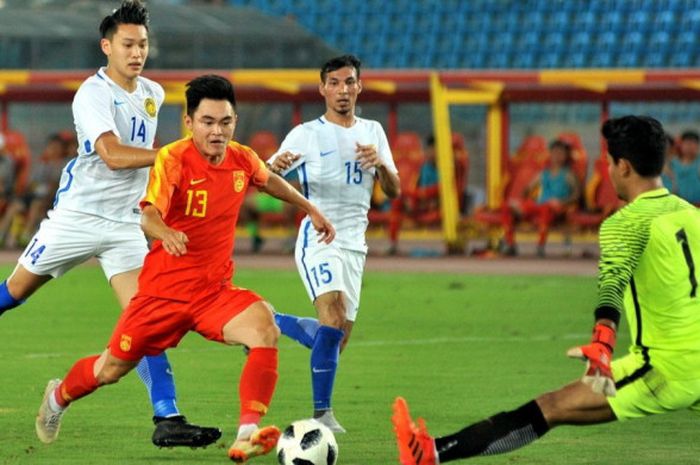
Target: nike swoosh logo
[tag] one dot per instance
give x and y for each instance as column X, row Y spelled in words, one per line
column 323, row 154
column 197, row 181
column 116, row 104
column 316, row 370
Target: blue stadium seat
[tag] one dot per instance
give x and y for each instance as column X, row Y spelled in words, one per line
column 656, row 59
column 679, row 60
column 659, row 41
column 632, row 42
column 685, row 41
column 528, row 40
column 533, row 21
column 602, row 59
column 576, row 59
column 639, row 21
column 629, row 60
column 559, row 21
column 580, row 40
column 499, row 60
column 611, row 21
column 690, row 21
column 501, row 41
column 550, row 59
column 585, row 21
column 665, row 20
column 554, row 41
column 524, row 60
column 607, row 41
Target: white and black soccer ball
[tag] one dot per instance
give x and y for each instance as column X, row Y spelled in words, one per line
column 307, row 442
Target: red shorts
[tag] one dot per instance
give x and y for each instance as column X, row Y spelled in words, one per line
column 150, row 325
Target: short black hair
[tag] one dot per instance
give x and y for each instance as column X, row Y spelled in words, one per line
column 208, row 86
column 340, row 62
column 639, row 139
column 689, row 134
column 130, row 12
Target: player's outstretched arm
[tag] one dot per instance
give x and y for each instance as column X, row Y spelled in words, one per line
column 278, row 187
column 118, row 156
column 598, row 355
column 174, row 242
column 388, row 180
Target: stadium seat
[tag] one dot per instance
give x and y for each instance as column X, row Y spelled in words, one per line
column 578, row 153
column 527, row 162
column 600, row 199
column 407, row 150
column 265, row 143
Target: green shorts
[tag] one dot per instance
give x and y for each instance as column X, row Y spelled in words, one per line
column 265, row 203
column 641, row 393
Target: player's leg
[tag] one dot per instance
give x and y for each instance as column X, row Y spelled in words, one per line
column 61, row 243
column 171, row 427
column 155, row 372
column 508, row 222
column 325, row 354
column 575, row 403
column 251, row 323
column 17, row 288
column 85, row 377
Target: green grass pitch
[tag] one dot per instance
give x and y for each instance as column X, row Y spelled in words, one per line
column 458, row 347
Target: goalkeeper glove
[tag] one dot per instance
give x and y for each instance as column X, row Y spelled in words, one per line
column 598, row 354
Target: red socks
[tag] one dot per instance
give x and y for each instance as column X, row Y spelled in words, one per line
column 257, row 384
column 79, row 382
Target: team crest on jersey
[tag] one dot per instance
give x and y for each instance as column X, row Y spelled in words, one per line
column 238, row 180
column 125, row 343
column 150, row 105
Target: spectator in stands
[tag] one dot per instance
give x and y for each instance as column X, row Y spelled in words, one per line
column 686, row 168
column 559, row 191
column 7, row 169
column 37, row 199
column 423, row 202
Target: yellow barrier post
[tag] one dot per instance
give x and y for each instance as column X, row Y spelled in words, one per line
column 449, row 207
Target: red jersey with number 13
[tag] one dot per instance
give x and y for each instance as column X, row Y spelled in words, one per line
column 203, row 201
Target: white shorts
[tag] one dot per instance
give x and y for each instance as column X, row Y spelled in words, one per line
column 67, row 239
column 325, row 268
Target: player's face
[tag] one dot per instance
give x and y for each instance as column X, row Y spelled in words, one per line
column 126, row 51
column 689, row 147
column 341, row 90
column 212, row 126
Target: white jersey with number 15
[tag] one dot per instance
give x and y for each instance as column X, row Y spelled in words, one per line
column 331, row 177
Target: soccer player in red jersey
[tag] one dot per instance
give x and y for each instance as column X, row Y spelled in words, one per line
column 194, row 195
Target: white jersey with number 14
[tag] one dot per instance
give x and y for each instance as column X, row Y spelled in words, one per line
column 87, row 184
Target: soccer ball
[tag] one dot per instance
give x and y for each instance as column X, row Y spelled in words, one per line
column 307, row 442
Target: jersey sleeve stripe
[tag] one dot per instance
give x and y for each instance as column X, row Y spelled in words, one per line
column 69, row 171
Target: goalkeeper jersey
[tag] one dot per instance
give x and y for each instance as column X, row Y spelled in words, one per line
column 649, row 251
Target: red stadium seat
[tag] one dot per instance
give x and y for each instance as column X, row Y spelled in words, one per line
column 601, row 199
column 265, row 143
column 520, row 170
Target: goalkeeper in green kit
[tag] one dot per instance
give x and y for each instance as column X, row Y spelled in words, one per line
column 649, row 250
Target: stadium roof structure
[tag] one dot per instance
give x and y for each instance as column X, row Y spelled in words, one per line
column 63, row 34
